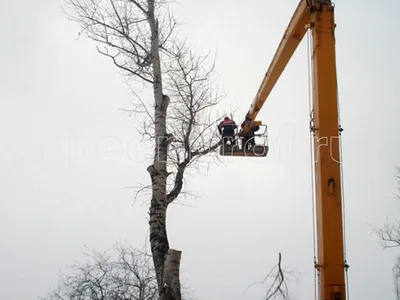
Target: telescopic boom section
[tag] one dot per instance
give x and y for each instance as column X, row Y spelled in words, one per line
column 291, row 39
column 317, row 15
column 331, row 262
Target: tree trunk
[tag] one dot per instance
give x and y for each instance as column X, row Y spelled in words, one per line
column 172, row 287
column 166, row 261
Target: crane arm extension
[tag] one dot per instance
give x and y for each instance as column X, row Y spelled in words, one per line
column 291, row 39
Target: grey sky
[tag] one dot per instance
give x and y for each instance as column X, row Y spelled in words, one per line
column 60, row 191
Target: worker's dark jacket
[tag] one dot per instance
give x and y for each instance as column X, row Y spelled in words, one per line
column 227, row 127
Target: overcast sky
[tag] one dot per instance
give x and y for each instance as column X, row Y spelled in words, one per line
column 60, row 108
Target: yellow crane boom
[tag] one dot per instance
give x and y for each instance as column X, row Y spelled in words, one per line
column 291, row 39
column 317, row 16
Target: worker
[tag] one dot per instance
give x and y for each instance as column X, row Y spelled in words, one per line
column 249, row 140
column 227, row 129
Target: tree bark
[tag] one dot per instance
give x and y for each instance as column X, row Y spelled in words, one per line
column 172, row 287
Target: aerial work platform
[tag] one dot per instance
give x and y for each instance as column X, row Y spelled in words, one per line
column 254, row 146
column 316, row 18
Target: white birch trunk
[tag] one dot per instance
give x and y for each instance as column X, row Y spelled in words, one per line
column 172, row 287
column 166, row 261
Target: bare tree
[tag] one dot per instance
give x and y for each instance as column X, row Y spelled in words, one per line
column 389, row 236
column 276, row 282
column 140, row 39
column 124, row 274
column 278, row 288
